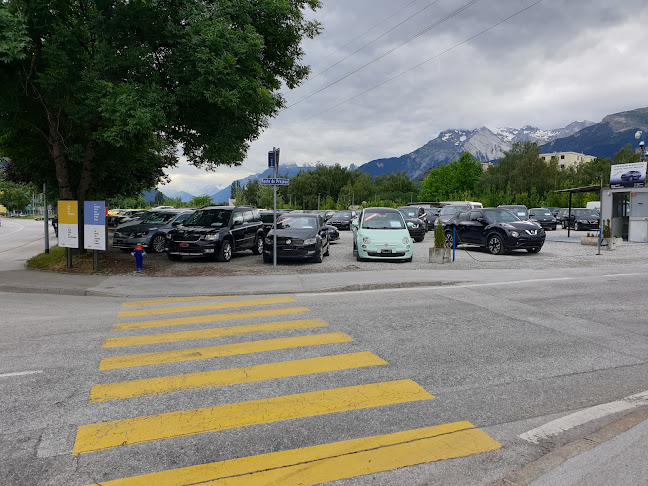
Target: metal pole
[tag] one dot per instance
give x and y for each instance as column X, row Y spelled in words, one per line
column 600, row 217
column 454, row 242
column 274, row 193
column 68, row 257
column 95, row 260
column 45, row 220
column 569, row 215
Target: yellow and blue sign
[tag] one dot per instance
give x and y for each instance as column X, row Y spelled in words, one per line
column 94, row 225
column 68, row 216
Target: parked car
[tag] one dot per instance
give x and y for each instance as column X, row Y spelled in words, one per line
column 632, row 175
column 342, row 219
column 300, row 236
column 125, row 217
column 333, row 232
column 416, row 212
column 519, row 210
column 543, row 217
column 448, row 212
column 561, row 216
column 381, row 234
column 415, row 226
column 496, row 229
column 267, row 217
column 583, row 219
column 150, row 231
column 431, row 215
column 215, row 232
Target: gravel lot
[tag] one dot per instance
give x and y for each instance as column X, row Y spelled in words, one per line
column 553, row 254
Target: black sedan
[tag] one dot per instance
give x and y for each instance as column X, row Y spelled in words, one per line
column 342, row 219
column 496, row 229
column 543, row 217
column 584, row 219
column 300, row 236
column 415, row 226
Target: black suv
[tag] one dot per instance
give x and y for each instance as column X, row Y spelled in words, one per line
column 216, row 232
column 496, row 229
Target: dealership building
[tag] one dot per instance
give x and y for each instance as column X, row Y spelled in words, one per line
column 625, row 202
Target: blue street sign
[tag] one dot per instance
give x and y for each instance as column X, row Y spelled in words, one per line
column 271, row 159
column 274, row 181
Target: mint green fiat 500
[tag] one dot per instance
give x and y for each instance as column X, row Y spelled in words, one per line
column 381, row 234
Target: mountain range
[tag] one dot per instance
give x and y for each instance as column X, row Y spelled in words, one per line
column 602, row 139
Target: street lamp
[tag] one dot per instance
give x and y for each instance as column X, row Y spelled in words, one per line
column 641, row 134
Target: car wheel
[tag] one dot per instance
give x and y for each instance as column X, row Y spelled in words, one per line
column 267, row 258
column 257, row 249
column 157, row 244
column 576, row 226
column 174, row 258
column 319, row 257
column 418, row 239
column 326, row 253
column 449, row 239
column 534, row 250
column 225, row 253
column 495, row 244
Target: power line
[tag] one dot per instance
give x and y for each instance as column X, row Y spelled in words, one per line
column 360, row 36
column 398, row 46
column 414, row 67
column 377, row 38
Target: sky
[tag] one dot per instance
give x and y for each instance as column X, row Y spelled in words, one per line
column 386, row 91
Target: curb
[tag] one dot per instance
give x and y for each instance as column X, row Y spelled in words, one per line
column 536, row 469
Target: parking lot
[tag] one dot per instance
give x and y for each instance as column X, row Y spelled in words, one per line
column 557, row 252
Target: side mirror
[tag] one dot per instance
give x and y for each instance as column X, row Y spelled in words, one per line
column 175, row 223
column 354, row 223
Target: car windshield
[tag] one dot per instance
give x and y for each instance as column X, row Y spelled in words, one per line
column 158, row 218
column 585, row 213
column 297, row 222
column 342, row 215
column 409, row 213
column 452, row 210
column 542, row 212
column 433, row 211
column 383, row 220
column 499, row 215
column 210, row 217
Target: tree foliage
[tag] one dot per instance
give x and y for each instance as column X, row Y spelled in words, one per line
column 453, row 181
column 98, row 95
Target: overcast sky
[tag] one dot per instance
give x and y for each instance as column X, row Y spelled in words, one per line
column 556, row 62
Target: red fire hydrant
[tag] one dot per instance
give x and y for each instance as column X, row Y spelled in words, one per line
column 139, row 253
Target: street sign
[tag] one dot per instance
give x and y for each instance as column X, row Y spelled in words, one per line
column 94, row 225
column 274, row 181
column 68, row 217
column 271, row 159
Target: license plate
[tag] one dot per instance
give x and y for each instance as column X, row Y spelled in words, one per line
column 184, row 245
column 385, row 251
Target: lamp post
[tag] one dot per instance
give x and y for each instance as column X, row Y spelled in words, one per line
column 641, row 134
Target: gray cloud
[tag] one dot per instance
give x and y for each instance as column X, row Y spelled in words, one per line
column 557, row 62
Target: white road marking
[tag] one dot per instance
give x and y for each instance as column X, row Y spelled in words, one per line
column 20, row 373
column 562, row 424
column 623, row 274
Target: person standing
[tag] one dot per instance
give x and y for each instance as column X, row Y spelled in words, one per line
column 55, row 224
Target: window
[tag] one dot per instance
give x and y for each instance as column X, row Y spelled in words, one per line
column 463, row 216
column 475, row 215
column 562, row 157
column 248, row 216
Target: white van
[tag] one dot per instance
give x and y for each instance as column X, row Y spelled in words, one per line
column 593, row 205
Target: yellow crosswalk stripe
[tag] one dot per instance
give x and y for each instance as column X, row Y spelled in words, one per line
column 231, row 316
column 105, row 435
column 329, row 462
column 192, row 354
column 170, row 337
column 234, row 376
column 220, row 305
column 172, row 300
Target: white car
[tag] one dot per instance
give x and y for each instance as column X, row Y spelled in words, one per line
column 381, row 234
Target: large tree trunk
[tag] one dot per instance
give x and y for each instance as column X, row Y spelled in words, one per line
column 57, row 148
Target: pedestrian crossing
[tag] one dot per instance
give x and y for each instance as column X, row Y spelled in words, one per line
column 312, row 464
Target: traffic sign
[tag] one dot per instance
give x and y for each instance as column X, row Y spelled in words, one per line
column 271, row 159
column 274, row 181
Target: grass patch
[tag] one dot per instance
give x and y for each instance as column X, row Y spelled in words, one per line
column 55, row 261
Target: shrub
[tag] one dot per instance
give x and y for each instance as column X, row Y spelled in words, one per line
column 607, row 231
column 439, row 236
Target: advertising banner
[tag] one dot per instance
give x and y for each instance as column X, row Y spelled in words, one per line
column 628, row 175
column 94, row 225
column 68, row 218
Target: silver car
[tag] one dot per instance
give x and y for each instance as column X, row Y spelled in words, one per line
column 150, row 231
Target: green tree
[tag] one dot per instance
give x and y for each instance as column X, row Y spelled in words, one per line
column 96, row 96
column 200, row 201
column 176, row 202
column 159, row 198
column 455, row 181
column 15, row 197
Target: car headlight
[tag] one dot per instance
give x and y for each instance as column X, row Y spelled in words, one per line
column 117, row 234
column 310, row 241
column 406, row 240
column 140, row 233
column 366, row 240
column 211, row 236
column 515, row 234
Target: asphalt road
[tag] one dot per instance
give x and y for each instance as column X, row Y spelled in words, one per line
column 21, row 239
column 505, row 357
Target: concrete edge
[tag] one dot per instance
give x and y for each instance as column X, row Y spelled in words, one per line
column 80, row 292
column 536, row 469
